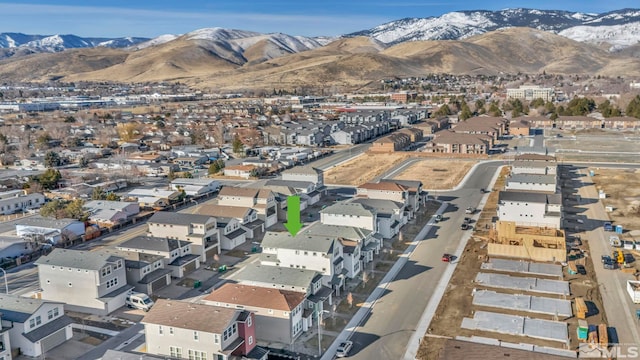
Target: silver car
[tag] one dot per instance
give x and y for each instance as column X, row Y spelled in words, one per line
column 344, row 348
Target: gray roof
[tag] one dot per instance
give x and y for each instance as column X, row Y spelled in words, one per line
column 193, row 181
column 43, row 222
column 165, row 217
column 48, row 328
column 307, row 170
column 343, row 232
column 302, row 241
column 17, row 308
column 344, row 208
column 106, row 205
column 530, row 197
column 153, row 243
column 379, row 205
column 255, row 273
column 532, row 164
column 532, row 179
column 290, row 183
column 78, row 259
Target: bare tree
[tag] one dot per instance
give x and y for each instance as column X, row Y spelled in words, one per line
column 350, row 299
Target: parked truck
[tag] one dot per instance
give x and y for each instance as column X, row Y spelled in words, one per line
column 633, row 288
column 608, row 226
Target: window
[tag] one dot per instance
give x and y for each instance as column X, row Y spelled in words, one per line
column 106, row 271
column 32, row 323
column 195, row 335
column 197, row 355
column 216, row 338
column 250, row 340
column 160, row 330
column 52, row 313
column 175, row 352
column 249, row 321
column 170, row 331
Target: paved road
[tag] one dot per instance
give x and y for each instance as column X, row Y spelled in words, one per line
column 340, row 156
column 385, row 333
column 618, row 307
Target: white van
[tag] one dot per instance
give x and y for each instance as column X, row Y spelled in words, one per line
column 139, row 301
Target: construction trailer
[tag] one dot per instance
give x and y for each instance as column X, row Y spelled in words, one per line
column 633, row 288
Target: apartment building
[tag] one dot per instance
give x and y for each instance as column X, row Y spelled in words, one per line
column 200, row 230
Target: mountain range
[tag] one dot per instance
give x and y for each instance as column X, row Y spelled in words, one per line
column 465, row 42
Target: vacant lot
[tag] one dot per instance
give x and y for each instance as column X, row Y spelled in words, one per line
column 622, row 187
column 437, row 174
column 364, row 168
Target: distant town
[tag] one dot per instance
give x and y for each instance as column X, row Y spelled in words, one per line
column 432, row 219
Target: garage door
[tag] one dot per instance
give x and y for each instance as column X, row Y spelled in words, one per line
column 189, row 268
column 211, row 253
column 159, row 284
column 54, row 340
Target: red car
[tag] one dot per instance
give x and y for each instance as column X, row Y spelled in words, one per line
column 447, row 257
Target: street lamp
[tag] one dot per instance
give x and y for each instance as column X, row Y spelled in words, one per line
column 319, row 333
column 6, row 283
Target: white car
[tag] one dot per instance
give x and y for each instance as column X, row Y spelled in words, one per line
column 344, row 348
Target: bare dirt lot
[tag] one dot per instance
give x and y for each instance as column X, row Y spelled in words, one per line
column 622, row 188
column 437, row 174
column 364, row 168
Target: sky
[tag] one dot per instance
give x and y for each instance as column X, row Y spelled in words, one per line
column 144, row 18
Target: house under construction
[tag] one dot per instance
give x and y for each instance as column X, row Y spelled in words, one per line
column 527, row 242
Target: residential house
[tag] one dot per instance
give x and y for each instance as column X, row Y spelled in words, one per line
column 176, row 254
column 19, row 201
column 42, row 229
column 262, row 200
column 622, row 123
column 541, row 122
column 110, row 213
column 535, row 157
column 530, row 209
column 390, row 215
column 305, row 189
column 279, row 314
column 195, row 187
column 180, row 329
column 232, row 234
column 534, row 167
column 87, row 281
column 578, row 122
column 305, row 251
column 450, row 142
column 155, row 198
column 241, row 171
column 416, row 196
column 494, row 127
column 520, row 127
column 390, row 190
column 145, row 272
column 532, row 182
column 32, row 327
column 305, row 173
column 247, row 216
column 200, row 230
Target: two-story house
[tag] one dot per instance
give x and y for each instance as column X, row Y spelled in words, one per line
column 530, row 209
column 186, row 330
column 87, row 281
column 387, row 191
column 195, row 187
column 176, row 253
column 248, row 217
column 305, row 251
column 534, row 167
column 145, row 272
column 416, row 198
column 154, row 198
column 305, row 173
column 261, row 200
column 532, row 182
column 111, row 212
column 232, row 234
column 200, row 230
column 278, row 313
column 390, row 215
column 34, row 326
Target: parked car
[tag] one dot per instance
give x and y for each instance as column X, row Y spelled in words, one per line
column 139, row 301
column 470, row 210
column 464, row 226
column 438, row 218
column 344, row 348
column 467, row 220
column 447, row 257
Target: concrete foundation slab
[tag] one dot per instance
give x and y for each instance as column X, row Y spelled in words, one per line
column 522, row 303
column 558, row 287
column 525, row 267
column 517, row 325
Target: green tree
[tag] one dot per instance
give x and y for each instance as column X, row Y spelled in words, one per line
column 74, row 210
column 98, row 193
column 465, row 112
column 444, row 110
column 53, row 208
column 69, row 119
column 42, row 142
column 49, row 179
column 52, row 159
column 579, row 106
column 608, row 110
column 633, row 109
column 112, row 197
column 237, row 145
column 216, row 166
column 536, row 103
column 494, row 110
column 480, row 106
column 549, row 107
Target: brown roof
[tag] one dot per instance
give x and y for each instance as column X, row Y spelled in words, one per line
column 240, row 167
column 576, row 118
column 388, row 186
column 463, row 350
column 223, row 211
column 264, row 193
column 449, row 137
column 187, row 315
column 238, row 191
column 256, row 296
